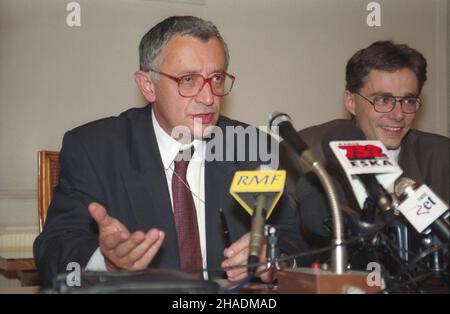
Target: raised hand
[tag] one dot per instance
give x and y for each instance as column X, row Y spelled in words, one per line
column 124, row 250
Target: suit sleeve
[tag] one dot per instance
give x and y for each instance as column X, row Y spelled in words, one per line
column 70, row 234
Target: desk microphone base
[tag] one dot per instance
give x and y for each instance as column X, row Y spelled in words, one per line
column 315, row 281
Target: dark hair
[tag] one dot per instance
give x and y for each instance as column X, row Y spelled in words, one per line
column 384, row 56
column 156, row 38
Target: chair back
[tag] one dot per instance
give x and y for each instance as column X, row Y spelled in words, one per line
column 48, row 174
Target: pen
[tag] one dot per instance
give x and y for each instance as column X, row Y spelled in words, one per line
column 225, row 230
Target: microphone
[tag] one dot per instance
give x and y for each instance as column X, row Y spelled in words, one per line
column 377, row 192
column 423, row 208
column 306, row 280
column 368, row 168
column 280, row 123
column 371, row 174
column 258, row 192
column 366, row 164
column 256, row 231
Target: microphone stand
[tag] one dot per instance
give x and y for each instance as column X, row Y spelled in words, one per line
column 308, row 280
column 338, row 279
column 309, row 162
column 339, row 253
column 436, row 263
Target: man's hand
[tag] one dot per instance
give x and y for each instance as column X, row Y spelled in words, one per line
column 122, row 250
column 237, row 254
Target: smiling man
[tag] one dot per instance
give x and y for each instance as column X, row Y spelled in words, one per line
column 130, row 197
column 383, row 86
column 375, row 105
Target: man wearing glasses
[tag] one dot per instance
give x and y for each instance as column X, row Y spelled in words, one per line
column 137, row 192
column 383, row 86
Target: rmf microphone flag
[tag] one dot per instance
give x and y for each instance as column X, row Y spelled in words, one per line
column 247, row 185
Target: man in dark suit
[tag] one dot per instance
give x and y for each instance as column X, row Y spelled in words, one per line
column 117, row 203
column 383, row 85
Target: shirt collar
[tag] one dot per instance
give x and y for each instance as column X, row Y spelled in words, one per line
column 394, row 153
column 169, row 147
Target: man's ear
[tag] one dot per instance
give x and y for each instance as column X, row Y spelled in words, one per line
column 146, row 86
column 349, row 102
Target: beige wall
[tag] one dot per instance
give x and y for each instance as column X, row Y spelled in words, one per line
column 287, row 55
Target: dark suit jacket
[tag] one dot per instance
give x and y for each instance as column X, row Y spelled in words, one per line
column 424, row 157
column 116, row 162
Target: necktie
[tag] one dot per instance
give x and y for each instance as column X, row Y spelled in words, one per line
column 185, row 216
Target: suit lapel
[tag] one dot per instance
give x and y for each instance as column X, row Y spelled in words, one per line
column 146, row 185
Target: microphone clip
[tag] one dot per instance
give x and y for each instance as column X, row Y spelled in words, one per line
column 273, row 252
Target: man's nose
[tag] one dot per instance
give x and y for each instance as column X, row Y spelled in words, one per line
column 205, row 96
column 397, row 113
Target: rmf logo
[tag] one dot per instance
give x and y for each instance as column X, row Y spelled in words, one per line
column 362, row 151
column 258, row 179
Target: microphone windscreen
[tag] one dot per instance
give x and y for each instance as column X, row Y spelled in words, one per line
column 404, row 185
column 287, row 131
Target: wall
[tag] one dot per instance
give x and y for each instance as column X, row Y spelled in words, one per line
column 288, row 55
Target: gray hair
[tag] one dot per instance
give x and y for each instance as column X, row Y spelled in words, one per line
column 157, row 38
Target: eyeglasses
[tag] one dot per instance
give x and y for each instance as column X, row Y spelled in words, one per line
column 385, row 104
column 190, row 85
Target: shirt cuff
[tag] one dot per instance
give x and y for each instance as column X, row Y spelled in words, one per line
column 96, row 262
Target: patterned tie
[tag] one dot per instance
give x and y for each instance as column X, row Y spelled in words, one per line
column 185, row 216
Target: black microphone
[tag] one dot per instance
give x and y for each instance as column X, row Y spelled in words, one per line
column 281, row 122
column 422, row 208
column 287, row 131
column 377, row 192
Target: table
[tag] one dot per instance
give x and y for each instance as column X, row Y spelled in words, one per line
column 21, row 262
column 17, row 259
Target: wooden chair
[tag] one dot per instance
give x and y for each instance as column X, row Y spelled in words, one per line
column 20, row 264
column 48, row 174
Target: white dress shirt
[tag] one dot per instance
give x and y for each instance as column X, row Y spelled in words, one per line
column 394, row 153
column 169, row 148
